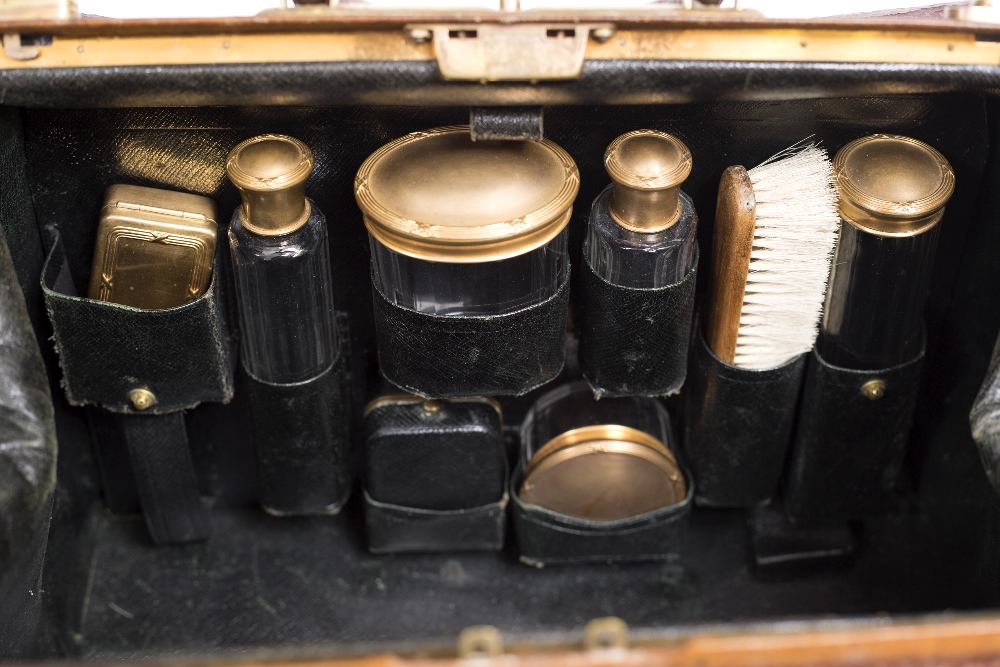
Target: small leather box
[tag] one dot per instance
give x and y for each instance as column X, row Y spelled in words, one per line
column 435, row 476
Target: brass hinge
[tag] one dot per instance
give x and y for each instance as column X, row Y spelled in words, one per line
column 32, row 10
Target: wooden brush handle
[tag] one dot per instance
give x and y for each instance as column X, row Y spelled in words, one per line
column 735, row 218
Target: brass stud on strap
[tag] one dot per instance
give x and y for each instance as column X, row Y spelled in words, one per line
column 142, row 399
column 873, row 390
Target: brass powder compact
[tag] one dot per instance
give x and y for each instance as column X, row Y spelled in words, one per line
column 605, row 472
column 155, row 248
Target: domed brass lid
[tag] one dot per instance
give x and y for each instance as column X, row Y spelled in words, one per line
column 648, row 168
column 271, row 171
column 892, row 185
column 439, row 196
column 603, row 473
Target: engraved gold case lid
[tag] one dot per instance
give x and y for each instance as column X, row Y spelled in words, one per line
column 439, row 196
column 603, row 473
column 648, row 168
column 892, row 185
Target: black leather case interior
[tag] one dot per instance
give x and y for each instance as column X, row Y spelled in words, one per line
column 738, row 425
column 279, row 583
column 454, row 356
column 848, row 449
column 634, row 342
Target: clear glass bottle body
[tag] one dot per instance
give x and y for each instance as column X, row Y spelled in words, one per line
column 470, row 290
column 573, row 405
column 637, row 259
column 285, row 298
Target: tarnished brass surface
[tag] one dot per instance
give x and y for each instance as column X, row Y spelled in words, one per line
column 270, row 172
column 439, row 196
column 648, row 168
column 892, row 185
column 154, row 248
column 603, row 473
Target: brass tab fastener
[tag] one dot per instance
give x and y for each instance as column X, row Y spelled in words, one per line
column 873, row 390
column 142, row 399
column 480, row 641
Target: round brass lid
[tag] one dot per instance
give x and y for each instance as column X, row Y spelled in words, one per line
column 439, row 196
column 603, row 473
column 270, row 171
column 892, row 185
column 648, row 168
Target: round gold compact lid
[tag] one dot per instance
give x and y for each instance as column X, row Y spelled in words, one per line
column 439, row 196
column 270, row 171
column 603, row 473
column 648, row 168
column 892, row 185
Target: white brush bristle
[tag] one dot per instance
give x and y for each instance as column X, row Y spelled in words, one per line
column 794, row 239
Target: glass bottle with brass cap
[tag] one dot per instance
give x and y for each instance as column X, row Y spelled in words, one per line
column 281, row 259
column 642, row 226
column 893, row 191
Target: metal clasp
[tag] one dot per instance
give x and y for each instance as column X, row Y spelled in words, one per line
column 32, row 10
column 518, row 52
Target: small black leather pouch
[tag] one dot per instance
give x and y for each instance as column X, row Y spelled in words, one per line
column 548, row 538
column 456, row 356
column 302, row 437
column 850, row 440
column 738, row 427
column 435, row 475
column 181, row 355
column 633, row 341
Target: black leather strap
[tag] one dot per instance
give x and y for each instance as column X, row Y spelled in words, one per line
column 509, row 123
column 164, row 473
column 447, row 357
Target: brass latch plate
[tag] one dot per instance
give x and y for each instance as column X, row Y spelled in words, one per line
column 514, row 52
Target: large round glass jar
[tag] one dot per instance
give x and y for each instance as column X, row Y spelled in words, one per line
column 465, row 228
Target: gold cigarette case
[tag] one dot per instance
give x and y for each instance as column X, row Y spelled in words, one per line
column 154, row 247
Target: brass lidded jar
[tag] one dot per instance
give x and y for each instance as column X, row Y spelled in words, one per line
column 893, row 191
column 463, row 228
column 470, row 266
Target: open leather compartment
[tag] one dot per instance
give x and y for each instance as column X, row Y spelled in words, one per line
column 308, row 586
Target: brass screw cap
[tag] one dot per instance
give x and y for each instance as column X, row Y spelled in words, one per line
column 648, row 168
column 271, row 172
column 438, row 196
column 892, row 185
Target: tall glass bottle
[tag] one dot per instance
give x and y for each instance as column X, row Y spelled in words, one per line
column 281, row 259
column 642, row 227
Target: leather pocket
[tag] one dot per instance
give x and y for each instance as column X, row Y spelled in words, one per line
column 181, row 355
column 738, row 427
column 850, row 440
column 633, row 341
column 545, row 537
